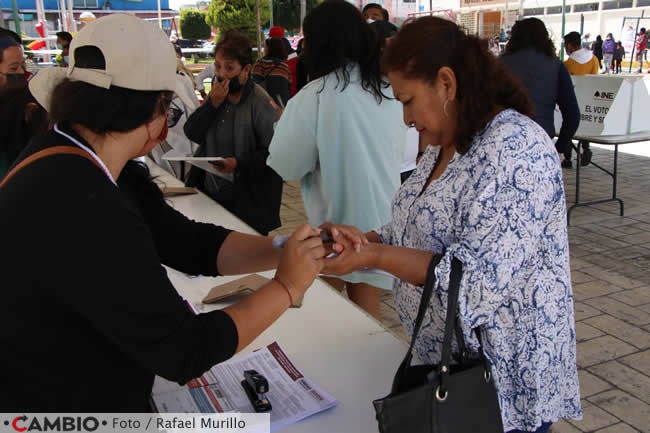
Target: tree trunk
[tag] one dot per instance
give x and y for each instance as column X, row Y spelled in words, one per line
column 303, row 12
column 258, row 27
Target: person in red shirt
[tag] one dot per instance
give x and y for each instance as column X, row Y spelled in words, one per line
column 641, row 43
column 292, row 56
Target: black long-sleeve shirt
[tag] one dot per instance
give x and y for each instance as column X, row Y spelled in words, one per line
column 548, row 83
column 88, row 315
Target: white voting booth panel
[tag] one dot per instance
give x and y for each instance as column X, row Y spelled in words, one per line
column 333, row 342
column 610, row 104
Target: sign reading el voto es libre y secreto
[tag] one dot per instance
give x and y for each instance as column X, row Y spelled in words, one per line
column 610, row 105
column 595, row 99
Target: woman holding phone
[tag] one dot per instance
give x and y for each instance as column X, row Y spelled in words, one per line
column 88, row 232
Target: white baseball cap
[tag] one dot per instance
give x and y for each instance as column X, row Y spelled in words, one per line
column 138, row 56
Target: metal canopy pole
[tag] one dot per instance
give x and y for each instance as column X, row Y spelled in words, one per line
column 563, row 29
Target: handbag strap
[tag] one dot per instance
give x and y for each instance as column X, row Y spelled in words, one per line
column 450, row 321
column 56, row 150
column 452, row 324
column 422, row 309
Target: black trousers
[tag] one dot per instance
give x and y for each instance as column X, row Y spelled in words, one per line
column 568, row 152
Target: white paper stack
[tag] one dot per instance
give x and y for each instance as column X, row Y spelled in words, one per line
column 292, row 395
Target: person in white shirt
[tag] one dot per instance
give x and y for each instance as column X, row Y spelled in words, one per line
column 409, row 160
column 206, row 73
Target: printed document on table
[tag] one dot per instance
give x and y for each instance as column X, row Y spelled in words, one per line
column 292, row 395
column 203, row 162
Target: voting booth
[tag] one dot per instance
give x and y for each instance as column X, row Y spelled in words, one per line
column 613, row 111
column 611, row 104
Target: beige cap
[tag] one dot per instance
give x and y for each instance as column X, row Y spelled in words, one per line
column 138, row 56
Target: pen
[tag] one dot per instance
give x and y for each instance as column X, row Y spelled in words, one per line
column 279, row 241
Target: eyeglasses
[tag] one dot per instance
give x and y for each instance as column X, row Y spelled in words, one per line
column 174, row 114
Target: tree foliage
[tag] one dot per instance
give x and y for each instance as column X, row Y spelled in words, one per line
column 286, row 13
column 238, row 15
column 193, row 25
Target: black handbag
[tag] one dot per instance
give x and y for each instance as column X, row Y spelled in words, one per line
column 445, row 398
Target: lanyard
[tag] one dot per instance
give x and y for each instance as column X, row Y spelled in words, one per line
column 94, row 156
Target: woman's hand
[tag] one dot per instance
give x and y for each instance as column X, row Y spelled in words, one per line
column 356, row 237
column 301, row 260
column 226, row 165
column 219, row 92
column 349, row 258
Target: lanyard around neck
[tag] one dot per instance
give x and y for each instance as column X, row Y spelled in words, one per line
column 94, row 156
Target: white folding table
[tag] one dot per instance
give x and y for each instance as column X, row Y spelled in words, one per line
column 331, row 340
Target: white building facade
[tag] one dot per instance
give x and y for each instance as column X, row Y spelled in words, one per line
column 487, row 17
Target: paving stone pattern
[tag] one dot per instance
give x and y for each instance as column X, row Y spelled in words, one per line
column 610, row 263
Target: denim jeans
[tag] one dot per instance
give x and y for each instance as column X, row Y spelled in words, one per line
column 543, row 429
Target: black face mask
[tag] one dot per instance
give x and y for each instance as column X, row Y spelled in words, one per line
column 234, row 86
column 15, row 80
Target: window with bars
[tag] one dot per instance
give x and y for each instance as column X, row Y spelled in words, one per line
column 85, row 4
column 533, row 11
column 585, row 7
column 617, row 4
column 553, row 10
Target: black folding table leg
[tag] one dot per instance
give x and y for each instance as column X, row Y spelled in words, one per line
column 578, row 155
column 615, row 176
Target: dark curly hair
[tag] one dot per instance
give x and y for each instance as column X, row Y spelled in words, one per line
column 530, row 33
column 336, row 35
column 427, row 44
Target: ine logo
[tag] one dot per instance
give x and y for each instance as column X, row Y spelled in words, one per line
column 602, row 95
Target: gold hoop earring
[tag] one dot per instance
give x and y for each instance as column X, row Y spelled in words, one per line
column 444, row 108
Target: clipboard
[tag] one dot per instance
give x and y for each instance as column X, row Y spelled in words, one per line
column 174, row 191
column 239, row 288
column 203, row 162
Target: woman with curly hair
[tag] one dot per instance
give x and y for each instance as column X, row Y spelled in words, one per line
column 530, row 55
column 489, row 193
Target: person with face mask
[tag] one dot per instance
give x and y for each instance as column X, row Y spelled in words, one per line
column 373, row 12
column 63, row 40
column 236, row 123
column 89, row 231
column 12, row 69
column 22, row 119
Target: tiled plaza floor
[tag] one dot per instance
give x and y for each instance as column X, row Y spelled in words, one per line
column 610, row 262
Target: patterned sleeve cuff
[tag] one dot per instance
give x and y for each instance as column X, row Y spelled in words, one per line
column 385, row 233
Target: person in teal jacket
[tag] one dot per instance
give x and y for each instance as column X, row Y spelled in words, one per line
column 342, row 135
